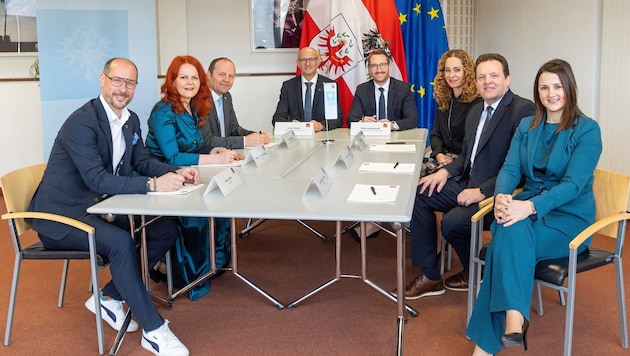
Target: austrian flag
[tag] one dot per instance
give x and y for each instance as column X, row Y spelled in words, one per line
column 345, row 32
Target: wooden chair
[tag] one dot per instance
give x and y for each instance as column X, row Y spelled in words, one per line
column 18, row 188
column 611, row 192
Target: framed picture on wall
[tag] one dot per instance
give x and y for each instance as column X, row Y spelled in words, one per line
column 276, row 24
column 18, row 33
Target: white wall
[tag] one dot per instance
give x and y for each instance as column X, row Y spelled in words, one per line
column 529, row 33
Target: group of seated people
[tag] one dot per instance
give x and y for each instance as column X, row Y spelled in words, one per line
column 481, row 147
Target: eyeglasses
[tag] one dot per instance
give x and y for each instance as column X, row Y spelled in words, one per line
column 379, row 66
column 306, row 60
column 118, row 81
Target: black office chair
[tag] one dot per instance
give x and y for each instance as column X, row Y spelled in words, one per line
column 18, row 188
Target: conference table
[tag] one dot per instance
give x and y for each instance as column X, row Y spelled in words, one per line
column 285, row 188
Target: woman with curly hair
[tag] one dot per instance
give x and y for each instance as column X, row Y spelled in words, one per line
column 455, row 93
column 175, row 137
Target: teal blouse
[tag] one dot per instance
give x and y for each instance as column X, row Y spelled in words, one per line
column 174, row 138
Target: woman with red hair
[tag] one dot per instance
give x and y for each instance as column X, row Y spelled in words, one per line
column 175, row 137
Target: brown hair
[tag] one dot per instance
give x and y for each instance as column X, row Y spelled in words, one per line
column 442, row 92
column 571, row 109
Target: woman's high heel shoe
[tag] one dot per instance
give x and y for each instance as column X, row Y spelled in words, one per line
column 516, row 339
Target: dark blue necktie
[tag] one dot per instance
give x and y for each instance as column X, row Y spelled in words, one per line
column 381, row 105
column 308, row 103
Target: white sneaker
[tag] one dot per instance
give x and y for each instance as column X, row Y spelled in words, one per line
column 162, row 341
column 112, row 312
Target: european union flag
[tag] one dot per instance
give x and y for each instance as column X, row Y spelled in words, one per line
column 424, row 37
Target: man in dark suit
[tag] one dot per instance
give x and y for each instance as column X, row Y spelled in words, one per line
column 456, row 189
column 223, row 130
column 383, row 99
column 99, row 152
column 294, row 104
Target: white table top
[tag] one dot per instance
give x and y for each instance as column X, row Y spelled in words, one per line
column 275, row 190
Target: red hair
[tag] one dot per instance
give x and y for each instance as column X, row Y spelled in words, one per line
column 200, row 103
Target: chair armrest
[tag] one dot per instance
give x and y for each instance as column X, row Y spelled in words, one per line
column 598, row 225
column 483, row 210
column 51, row 217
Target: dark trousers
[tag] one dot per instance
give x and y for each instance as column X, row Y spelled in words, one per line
column 114, row 241
column 455, row 227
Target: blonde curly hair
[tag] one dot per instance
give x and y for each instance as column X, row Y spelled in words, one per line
column 442, row 92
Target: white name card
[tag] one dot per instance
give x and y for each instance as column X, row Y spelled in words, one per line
column 298, row 128
column 319, row 185
column 370, row 128
column 330, row 101
column 289, row 140
column 359, row 141
column 345, row 158
column 256, row 156
column 225, row 182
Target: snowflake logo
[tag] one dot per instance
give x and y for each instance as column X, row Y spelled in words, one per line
column 85, row 51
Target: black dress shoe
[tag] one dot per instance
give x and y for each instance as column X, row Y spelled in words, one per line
column 355, row 236
column 516, row 339
column 157, row 276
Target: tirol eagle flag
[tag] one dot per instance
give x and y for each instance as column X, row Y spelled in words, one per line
column 346, row 31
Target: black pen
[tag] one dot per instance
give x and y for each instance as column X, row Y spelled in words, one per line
column 396, row 165
column 373, row 190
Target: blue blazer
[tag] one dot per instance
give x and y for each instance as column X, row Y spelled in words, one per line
column 234, row 133
column 401, row 106
column 291, row 106
column 563, row 196
column 493, row 145
column 79, row 173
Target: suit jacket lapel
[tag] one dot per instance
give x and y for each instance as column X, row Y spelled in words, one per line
column 104, row 125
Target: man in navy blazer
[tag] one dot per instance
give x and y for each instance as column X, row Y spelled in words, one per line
column 456, row 189
column 399, row 105
column 221, row 74
column 291, row 104
column 99, row 152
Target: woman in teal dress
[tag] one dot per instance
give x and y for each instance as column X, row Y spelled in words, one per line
column 556, row 151
column 175, row 137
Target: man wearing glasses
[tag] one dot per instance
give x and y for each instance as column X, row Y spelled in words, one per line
column 302, row 97
column 383, row 99
column 99, row 152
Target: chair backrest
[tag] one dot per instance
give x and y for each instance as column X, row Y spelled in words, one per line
column 612, row 191
column 18, row 188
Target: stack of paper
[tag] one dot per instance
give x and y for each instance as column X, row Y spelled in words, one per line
column 393, row 148
column 364, row 193
column 187, row 188
column 387, row 167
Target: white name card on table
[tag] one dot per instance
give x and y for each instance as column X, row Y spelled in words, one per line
column 225, row 182
column 370, row 128
column 298, row 128
column 359, row 141
column 256, row 156
column 319, row 185
column 393, row 148
column 387, row 167
column 345, row 158
column 289, row 140
column 330, row 101
column 364, row 193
